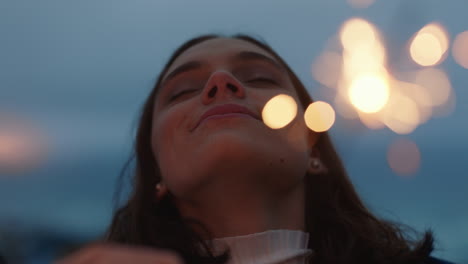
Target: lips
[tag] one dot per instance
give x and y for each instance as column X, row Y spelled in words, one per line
column 225, row 110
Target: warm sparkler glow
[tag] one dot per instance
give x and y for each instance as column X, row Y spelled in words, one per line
column 319, row 116
column 404, row 157
column 357, row 33
column 365, row 89
column 460, row 49
column 363, row 50
column 429, row 45
column 363, row 61
column 369, row 93
column 279, row 111
column 364, row 75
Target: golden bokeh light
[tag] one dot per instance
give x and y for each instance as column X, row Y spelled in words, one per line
column 357, row 33
column 327, row 68
column 279, row 111
column 401, row 114
column 436, row 84
column 429, row 45
column 440, row 33
column 460, row 49
column 369, row 92
column 319, row 116
column 365, row 87
column 404, row 157
column 365, row 60
column 360, row 3
column 364, row 76
column 425, row 49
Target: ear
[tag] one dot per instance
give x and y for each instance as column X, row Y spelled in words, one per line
column 316, row 165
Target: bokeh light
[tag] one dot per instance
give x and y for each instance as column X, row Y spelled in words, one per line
column 363, row 50
column 460, row 49
column 365, row 60
column 419, row 95
column 360, row 3
column 319, row 116
column 401, row 114
column 404, row 157
column 369, row 92
column 425, row 49
column 436, row 84
column 279, row 111
column 357, row 33
column 364, row 74
column 22, row 146
column 429, row 45
column 366, row 89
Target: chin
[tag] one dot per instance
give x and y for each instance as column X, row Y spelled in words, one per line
column 232, row 141
column 240, row 152
column 234, row 151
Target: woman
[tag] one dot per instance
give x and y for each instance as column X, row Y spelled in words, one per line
column 214, row 184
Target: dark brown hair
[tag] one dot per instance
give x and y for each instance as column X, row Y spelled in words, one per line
column 341, row 228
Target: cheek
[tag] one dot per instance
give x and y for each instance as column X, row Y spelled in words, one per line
column 297, row 133
column 167, row 128
column 167, row 145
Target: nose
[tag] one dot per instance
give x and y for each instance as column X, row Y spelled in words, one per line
column 222, row 85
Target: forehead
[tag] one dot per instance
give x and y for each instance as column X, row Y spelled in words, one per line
column 218, row 49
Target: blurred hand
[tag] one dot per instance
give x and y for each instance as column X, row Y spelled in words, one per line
column 120, row 254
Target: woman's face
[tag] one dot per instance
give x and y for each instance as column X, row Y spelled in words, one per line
column 193, row 154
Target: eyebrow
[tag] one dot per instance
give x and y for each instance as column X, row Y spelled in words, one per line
column 243, row 55
column 189, row 66
column 251, row 55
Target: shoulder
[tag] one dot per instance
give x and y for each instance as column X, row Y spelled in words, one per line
column 433, row 260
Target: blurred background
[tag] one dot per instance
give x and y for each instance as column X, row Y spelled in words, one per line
column 74, row 74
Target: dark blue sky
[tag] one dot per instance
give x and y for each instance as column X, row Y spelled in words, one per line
column 80, row 70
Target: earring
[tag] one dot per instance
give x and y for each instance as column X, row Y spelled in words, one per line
column 316, row 164
column 161, row 191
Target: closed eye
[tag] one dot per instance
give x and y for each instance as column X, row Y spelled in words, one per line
column 180, row 94
column 262, row 79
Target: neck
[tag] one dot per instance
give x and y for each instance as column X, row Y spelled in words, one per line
column 234, row 210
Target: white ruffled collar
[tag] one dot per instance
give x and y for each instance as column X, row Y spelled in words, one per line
column 270, row 247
